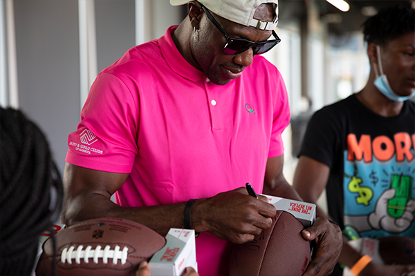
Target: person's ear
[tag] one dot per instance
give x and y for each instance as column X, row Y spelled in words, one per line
column 194, row 13
column 372, row 53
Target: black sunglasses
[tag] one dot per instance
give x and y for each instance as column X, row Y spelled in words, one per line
column 239, row 45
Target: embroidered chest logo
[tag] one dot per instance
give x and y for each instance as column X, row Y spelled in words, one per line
column 249, row 108
column 87, row 137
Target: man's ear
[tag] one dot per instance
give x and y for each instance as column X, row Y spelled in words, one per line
column 194, row 13
column 372, row 53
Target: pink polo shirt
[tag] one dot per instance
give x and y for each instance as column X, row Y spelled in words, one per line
column 153, row 115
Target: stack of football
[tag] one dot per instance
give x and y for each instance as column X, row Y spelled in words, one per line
column 103, row 246
column 279, row 250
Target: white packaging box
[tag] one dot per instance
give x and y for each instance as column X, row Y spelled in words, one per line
column 303, row 211
column 177, row 254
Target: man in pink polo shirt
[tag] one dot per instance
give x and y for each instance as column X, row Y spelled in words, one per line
column 177, row 126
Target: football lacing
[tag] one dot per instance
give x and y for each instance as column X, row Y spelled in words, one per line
column 69, row 254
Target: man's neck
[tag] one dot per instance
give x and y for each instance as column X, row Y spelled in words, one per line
column 374, row 100
column 181, row 38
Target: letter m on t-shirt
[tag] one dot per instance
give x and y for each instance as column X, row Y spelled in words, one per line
column 361, row 149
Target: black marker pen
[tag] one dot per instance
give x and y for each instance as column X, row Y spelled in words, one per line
column 251, row 190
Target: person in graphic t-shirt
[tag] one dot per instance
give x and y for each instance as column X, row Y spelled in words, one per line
column 362, row 149
column 177, row 126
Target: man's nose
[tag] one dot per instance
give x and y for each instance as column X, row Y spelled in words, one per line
column 244, row 58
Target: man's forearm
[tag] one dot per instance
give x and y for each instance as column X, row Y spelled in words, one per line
column 208, row 214
column 88, row 193
column 349, row 256
column 160, row 218
column 281, row 188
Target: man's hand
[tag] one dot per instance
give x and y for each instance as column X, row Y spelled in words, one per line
column 328, row 238
column 233, row 215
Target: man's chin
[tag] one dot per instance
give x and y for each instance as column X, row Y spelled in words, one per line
column 221, row 82
column 222, row 76
column 407, row 93
column 218, row 80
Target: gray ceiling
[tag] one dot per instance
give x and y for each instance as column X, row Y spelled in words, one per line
column 351, row 20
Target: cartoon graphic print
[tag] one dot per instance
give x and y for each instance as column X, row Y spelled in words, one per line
column 365, row 194
column 382, row 218
column 379, row 186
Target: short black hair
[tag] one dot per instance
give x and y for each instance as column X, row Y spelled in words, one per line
column 389, row 23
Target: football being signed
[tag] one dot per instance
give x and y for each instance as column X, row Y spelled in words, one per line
column 279, row 250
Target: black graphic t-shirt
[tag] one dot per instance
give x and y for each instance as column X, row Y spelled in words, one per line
column 371, row 187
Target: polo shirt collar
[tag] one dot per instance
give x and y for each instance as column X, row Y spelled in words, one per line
column 174, row 58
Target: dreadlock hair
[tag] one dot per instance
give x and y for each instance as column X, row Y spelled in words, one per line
column 31, row 192
column 389, row 23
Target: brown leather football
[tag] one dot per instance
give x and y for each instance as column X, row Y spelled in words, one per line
column 279, row 250
column 102, row 246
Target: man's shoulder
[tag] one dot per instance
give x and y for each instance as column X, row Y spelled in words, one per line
column 335, row 114
column 137, row 57
column 342, row 106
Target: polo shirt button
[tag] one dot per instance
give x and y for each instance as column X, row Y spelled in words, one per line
column 213, row 102
column 207, row 80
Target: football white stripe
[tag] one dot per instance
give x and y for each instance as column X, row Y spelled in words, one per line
column 68, row 254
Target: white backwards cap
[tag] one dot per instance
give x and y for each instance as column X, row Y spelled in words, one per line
column 239, row 11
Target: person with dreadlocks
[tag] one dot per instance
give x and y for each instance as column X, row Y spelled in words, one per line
column 31, row 192
column 362, row 149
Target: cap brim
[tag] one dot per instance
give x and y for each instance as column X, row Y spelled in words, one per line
column 178, row 2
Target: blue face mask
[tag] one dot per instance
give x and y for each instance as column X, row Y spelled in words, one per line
column 382, row 84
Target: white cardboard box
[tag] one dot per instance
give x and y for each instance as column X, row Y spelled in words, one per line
column 177, row 254
column 303, row 211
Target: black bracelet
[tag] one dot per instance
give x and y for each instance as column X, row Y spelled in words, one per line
column 187, row 214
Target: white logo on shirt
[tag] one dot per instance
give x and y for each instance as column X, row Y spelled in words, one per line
column 87, row 137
